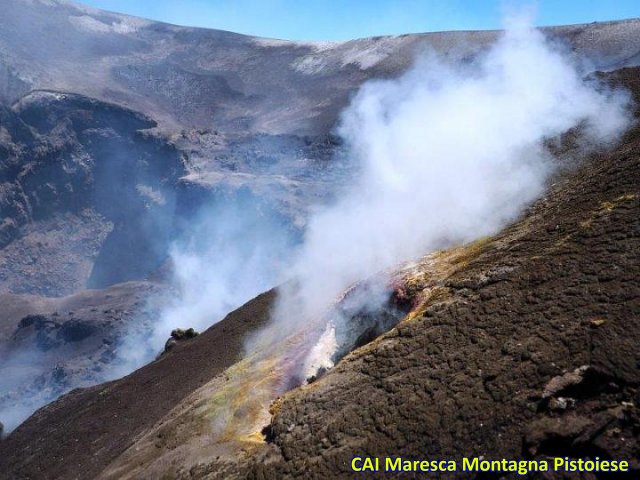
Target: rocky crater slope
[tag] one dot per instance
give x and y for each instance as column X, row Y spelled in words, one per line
column 115, row 132
column 521, row 345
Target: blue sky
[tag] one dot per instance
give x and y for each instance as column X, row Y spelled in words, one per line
column 345, row 19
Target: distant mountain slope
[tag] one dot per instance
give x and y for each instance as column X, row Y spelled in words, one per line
column 53, row 345
column 227, row 111
column 188, row 77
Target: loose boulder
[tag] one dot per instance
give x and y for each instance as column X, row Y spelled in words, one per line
column 179, row 335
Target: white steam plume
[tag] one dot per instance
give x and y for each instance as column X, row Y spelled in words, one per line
column 447, row 154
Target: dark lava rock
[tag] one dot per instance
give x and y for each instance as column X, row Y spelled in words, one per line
column 179, row 335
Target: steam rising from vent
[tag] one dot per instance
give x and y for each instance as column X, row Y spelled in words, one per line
column 446, row 154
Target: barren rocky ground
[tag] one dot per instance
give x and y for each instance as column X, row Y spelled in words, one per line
column 115, row 131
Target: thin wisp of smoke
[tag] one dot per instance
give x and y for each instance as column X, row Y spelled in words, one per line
column 232, row 252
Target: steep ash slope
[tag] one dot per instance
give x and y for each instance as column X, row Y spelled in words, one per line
column 93, row 426
column 470, row 371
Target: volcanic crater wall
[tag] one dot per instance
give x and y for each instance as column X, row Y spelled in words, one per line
column 69, row 156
